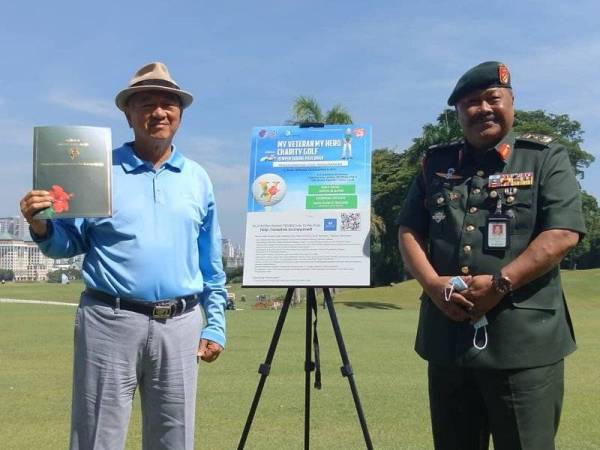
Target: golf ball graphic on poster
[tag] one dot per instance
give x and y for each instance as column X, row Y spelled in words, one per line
column 269, row 189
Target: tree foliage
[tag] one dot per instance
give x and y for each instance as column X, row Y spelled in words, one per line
column 568, row 132
column 307, row 110
column 6, row 275
column 392, row 174
column 234, row 274
column 56, row 276
column 587, row 253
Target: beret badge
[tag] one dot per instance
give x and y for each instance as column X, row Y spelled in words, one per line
column 503, row 74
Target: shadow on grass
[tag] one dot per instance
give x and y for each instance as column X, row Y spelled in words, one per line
column 370, row 305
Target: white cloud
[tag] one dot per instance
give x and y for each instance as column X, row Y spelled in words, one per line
column 78, row 102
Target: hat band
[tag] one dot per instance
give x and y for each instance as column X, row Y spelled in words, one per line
column 163, row 83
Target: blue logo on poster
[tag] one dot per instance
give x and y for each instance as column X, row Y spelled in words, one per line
column 330, row 224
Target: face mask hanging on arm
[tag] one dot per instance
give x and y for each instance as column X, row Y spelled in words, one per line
column 457, row 284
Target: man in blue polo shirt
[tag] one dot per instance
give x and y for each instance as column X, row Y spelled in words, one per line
column 149, row 270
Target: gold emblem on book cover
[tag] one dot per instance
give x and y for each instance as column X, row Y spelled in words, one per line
column 74, row 152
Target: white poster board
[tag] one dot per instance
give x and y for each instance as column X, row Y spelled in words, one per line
column 309, row 206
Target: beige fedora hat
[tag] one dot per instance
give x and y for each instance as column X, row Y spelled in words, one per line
column 152, row 77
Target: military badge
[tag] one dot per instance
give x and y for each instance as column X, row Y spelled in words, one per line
column 449, row 175
column 438, row 216
column 503, row 74
column 504, row 151
column 536, row 137
column 505, row 180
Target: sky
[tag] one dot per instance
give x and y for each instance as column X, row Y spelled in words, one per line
column 392, row 64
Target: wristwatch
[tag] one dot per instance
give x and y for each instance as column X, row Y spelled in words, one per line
column 501, row 284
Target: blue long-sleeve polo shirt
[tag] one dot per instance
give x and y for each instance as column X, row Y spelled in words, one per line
column 162, row 241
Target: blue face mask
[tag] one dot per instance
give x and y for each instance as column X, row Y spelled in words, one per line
column 481, row 324
column 457, row 284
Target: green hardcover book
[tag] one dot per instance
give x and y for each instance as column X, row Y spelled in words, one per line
column 74, row 164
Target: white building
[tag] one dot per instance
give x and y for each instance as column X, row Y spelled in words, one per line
column 227, row 249
column 16, row 226
column 74, row 262
column 232, row 254
column 24, row 258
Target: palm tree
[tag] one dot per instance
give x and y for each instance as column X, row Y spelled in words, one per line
column 307, row 110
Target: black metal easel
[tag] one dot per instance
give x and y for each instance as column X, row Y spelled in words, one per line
column 309, row 364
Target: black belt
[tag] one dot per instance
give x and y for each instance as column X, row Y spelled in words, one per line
column 161, row 309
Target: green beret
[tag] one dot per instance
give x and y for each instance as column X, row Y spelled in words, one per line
column 485, row 75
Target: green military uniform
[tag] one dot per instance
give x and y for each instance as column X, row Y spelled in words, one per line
column 448, row 206
column 451, row 213
column 477, row 210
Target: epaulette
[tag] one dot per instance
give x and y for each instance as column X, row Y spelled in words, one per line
column 536, row 138
column 453, row 144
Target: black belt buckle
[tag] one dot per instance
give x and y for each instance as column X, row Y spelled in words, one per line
column 162, row 312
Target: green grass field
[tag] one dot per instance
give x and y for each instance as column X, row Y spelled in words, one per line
column 378, row 326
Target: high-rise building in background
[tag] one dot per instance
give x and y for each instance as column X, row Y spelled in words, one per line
column 233, row 255
column 227, row 248
column 24, row 258
column 19, row 254
column 15, row 226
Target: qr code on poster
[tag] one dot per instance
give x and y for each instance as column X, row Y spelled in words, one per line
column 350, row 221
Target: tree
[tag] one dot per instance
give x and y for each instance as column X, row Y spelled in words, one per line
column 6, row 275
column 307, row 110
column 56, row 276
column 568, row 132
column 587, row 253
column 391, row 176
column 234, row 274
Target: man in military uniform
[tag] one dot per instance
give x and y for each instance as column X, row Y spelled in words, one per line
column 498, row 211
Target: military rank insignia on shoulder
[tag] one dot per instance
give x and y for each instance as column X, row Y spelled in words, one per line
column 537, row 138
column 446, row 145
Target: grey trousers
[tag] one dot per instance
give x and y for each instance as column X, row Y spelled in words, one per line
column 118, row 350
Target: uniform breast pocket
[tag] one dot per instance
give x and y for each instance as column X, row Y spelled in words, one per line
column 521, row 210
column 438, row 210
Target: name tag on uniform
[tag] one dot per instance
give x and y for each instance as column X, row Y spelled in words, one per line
column 510, row 179
column 497, row 232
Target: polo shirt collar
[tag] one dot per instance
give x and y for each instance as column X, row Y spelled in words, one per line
column 130, row 161
column 176, row 160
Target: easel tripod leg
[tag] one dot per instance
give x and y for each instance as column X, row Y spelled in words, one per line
column 265, row 368
column 309, row 365
column 347, row 368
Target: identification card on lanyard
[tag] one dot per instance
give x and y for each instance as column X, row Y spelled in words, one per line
column 498, row 230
